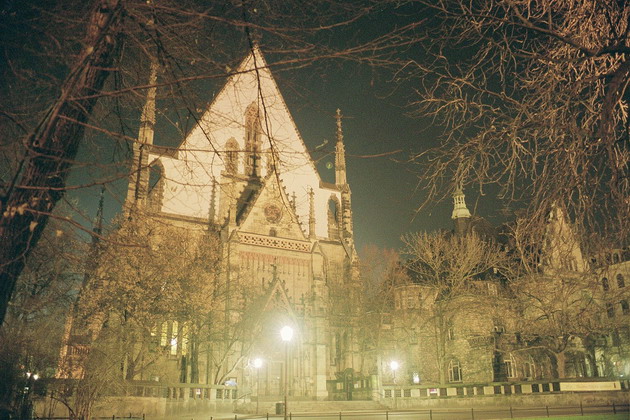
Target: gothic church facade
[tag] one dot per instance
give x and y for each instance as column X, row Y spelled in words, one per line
column 245, row 174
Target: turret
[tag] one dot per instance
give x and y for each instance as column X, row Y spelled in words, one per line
column 461, row 214
column 342, row 183
column 340, row 155
column 139, row 173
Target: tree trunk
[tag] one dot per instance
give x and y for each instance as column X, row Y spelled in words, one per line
column 560, row 364
column 52, row 148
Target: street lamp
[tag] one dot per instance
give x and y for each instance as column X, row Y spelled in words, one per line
column 26, row 405
column 257, row 363
column 286, row 333
column 394, row 365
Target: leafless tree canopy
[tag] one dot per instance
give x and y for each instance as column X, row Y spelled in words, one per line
column 533, row 96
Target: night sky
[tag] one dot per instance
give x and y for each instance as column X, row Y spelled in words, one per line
column 385, row 197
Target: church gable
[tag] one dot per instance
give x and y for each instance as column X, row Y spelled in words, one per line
column 247, row 133
column 272, row 213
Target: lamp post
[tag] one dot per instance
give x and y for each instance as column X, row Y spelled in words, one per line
column 25, row 406
column 258, row 362
column 286, row 333
column 394, row 365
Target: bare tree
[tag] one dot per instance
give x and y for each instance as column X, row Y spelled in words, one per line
column 61, row 90
column 533, row 97
column 31, row 335
column 559, row 314
column 451, row 270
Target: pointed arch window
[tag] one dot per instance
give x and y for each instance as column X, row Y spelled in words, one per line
column 253, row 142
column 334, row 218
column 454, row 371
column 605, row 284
column 231, row 156
column 510, row 367
column 155, row 195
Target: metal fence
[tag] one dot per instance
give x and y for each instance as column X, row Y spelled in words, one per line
column 486, row 413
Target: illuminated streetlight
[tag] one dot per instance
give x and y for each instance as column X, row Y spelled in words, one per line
column 394, row 365
column 257, row 363
column 286, row 333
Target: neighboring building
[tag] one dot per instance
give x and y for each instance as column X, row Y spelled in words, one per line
column 612, row 350
column 548, row 323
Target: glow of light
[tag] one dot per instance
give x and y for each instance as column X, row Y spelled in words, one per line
column 286, row 333
column 394, row 365
column 258, row 362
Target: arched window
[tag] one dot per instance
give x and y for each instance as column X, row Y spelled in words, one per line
column 253, row 142
column 334, row 218
column 621, row 281
column 605, row 284
column 528, row 369
column 625, row 309
column 155, row 194
column 454, row 371
column 231, row 156
column 510, row 367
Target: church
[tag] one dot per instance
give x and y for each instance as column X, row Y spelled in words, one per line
column 244, row 176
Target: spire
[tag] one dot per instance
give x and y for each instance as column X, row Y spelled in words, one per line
column 139, row 176
column 311, row 214
column 98, row 223
column 340, row 154
column 461, row 214
column 213, row 206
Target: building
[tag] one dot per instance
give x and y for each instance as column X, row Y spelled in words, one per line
column 244, row 177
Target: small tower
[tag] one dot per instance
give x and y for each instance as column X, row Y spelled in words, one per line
column 311, row 214
column 461, row 214
column 342, row 183
column 139, row 174
column 340, row 155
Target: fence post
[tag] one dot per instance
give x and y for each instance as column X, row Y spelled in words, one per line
column 113, row 417
column 614, row 409
column 581, row 408
column 430, row 414
column 143, row 418
column 472, row 413
column 386, row 415
column 340, row 415
column 547, row 408
column 511, row 413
